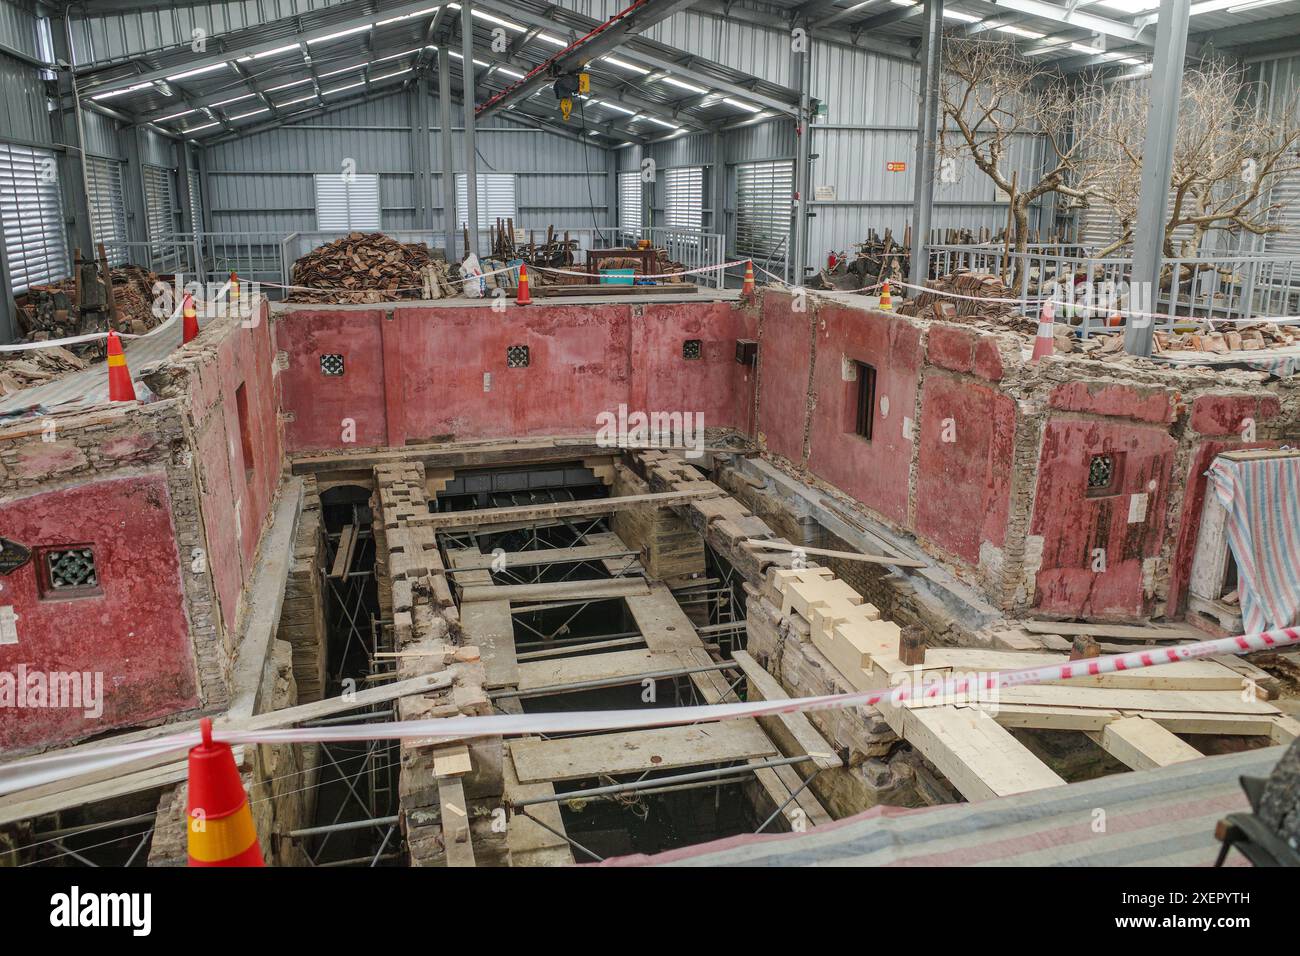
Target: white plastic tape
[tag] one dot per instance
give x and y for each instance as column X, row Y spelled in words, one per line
column 50, row 768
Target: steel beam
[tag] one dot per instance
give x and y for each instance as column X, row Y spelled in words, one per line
column 1157, row 163
column 644, row 14
column 469, row 111
column 927, row 136
column 190, row 63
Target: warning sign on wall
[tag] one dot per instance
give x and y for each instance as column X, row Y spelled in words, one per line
column 896, row 167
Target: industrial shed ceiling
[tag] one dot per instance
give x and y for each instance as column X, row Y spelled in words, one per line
column 253, row 77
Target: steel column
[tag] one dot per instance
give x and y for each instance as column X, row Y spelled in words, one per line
column 448, row 179
column 927, row 133
column 1157, row 163
column 467, row 97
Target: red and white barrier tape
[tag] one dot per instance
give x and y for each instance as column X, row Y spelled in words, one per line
column 49, row 768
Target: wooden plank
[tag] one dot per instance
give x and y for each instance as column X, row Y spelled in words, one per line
column 490, row 627
column 530, row 559
column 1285, row 730
column 265, row 601
column 455, row 822
column 573, row 670
column 975, row 754
column 1119, row 632
column 598, row 590
column 563, row 509
column 343, row 556
column 798, row 729
column 636, row 751
column 530, row 843
column 451, row 761
column 898, row 562
column 1143, row 744
column 1202, row 674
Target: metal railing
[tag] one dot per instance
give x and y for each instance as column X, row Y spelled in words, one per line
column 1093, row 291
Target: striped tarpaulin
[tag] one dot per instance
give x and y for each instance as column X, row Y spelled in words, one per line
column 1160, row 817
column 1262, row 498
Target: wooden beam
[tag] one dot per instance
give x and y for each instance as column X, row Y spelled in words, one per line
column 1119, row 632
column 563, row 509
column 977, row 756
column 343, row 556
column 636, row 751
column 532, row 559
column 599, row 590
column 793, row 730
column 455, row 822
column 589, row 667
column 897, row 562
column 1142, row 744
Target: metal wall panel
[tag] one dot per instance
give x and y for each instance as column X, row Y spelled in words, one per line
column 24, row 111
column 102, row 135
column 264, row 182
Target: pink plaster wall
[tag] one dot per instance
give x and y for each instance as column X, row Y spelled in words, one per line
column 133, row 632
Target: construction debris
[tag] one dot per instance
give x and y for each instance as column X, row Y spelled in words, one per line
column 21, row 370
column 992, row 314
column 370, row 267
column 51, row 311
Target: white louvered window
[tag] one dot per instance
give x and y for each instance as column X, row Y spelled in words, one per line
column 31, row 208
column 496, row 198
column 160, row 216
column 107, row 208
column 764, row 193
column 629, row 202
column 347, row 201
column 684, row 198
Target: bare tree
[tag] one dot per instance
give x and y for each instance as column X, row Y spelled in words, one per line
column 1228, row 155
column 990, row 97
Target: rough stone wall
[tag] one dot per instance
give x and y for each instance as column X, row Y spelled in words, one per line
column 279, row 782
column 426, row 626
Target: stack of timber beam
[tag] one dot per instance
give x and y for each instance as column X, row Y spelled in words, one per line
column 669, row 547
column 1136, row 716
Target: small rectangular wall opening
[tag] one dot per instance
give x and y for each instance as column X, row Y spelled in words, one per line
column 245, row 434
column 865, row 411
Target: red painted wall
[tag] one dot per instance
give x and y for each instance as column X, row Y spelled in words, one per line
column 237, row 498
column 423, row 370
column 963, row 492
column 1073, row 525
column 876, row 471
column 134, row 632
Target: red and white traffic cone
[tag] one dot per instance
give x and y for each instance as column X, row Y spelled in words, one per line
column 1044, row 343
column 234, row 293
column 522, row 295
column 886, row 298
column 219, row 821
column 120, row 388
column 747, row 290
column 189, row 320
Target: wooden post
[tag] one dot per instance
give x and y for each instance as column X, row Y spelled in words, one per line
column 911, row 645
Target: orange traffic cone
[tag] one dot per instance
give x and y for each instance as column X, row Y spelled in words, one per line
column 234, row 291
column 189, row 319
column 747, row 290
column 219, row 822
column 1044, row 344
column 120, row 388
column 886, row 299
column 522, row 295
